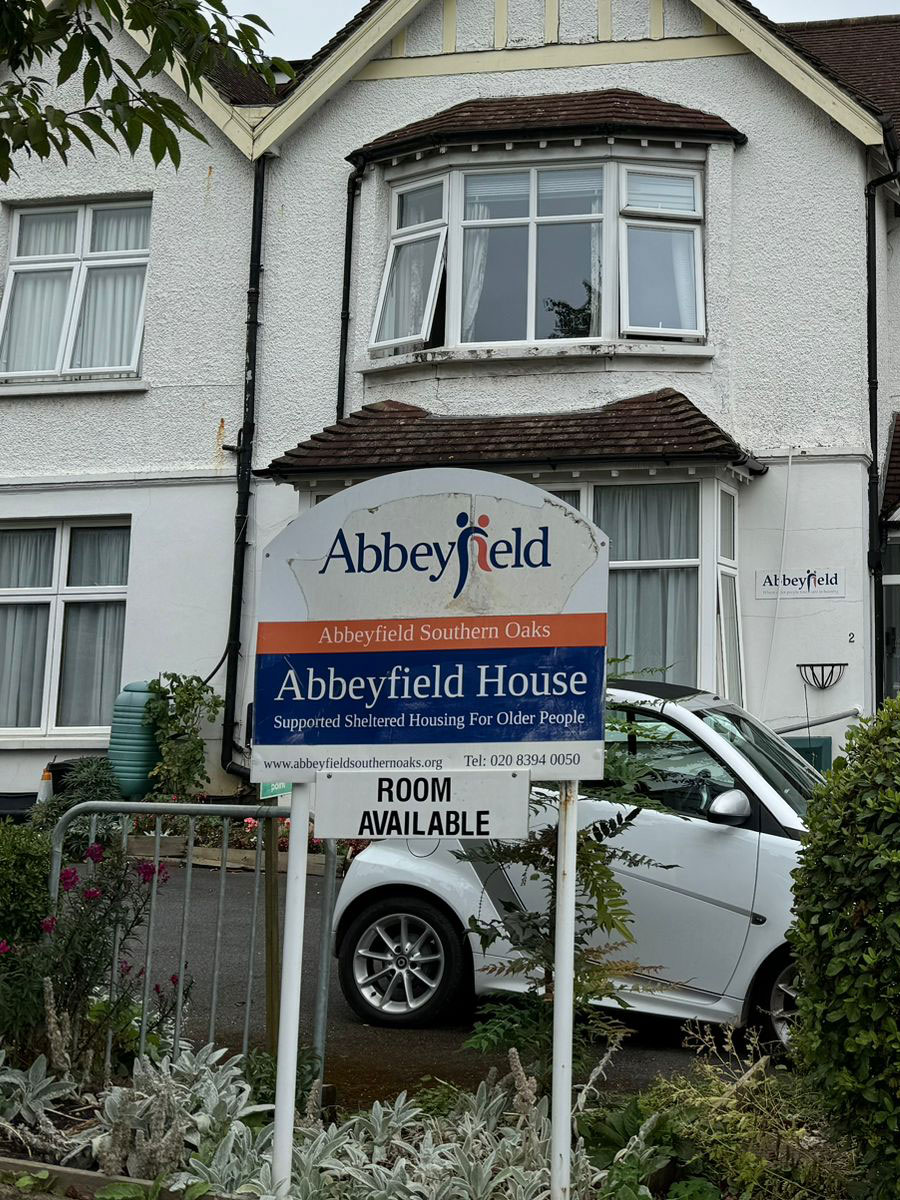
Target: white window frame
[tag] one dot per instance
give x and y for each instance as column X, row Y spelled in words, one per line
column 401, row 236
column 78, row 263
column 726, row 566
column 57, row 596
column 615, row 217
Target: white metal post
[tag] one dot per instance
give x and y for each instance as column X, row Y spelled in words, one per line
column 563, row 993
column 291, row 971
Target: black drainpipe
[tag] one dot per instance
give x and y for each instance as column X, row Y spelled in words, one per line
column 244, row 451
column 876, row 527
column 353, row 181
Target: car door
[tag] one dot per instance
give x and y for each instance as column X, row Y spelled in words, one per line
column 692, row 906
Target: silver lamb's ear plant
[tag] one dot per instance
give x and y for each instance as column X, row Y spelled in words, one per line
column 27, row 1095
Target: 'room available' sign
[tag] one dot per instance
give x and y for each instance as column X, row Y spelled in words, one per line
column 432, row 621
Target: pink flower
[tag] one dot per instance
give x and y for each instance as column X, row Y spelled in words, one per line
column 5, row 947
column 249, row 823
column 94, row 853
column 145, row 871
column 163, row 873
column 157, row 989
column 92, row 893
column 124, row 967
column 174, row 980
column 48, row 924
column 69, row 878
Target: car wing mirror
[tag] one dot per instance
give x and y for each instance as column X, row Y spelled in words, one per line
column 729, row 808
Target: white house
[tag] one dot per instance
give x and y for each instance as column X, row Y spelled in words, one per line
column 615, row 247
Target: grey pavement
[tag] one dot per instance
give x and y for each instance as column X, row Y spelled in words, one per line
column 364, row 1062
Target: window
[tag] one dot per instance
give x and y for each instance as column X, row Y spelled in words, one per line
column 535, row 254
column 730, row 670
column 74, row 298
column 654, row 541
column 62, row 620
column 676, row 772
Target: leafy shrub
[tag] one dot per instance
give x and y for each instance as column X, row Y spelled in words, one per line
column 179, row 706
column 846, row 940
column 24, row 873
column 90, row 778
column 261, row 1068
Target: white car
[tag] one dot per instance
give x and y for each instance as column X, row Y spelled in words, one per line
column 730, row 799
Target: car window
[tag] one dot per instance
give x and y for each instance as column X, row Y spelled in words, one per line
column 673, row 770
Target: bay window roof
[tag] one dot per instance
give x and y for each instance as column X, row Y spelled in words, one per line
column 662, row 428
column 614, row 111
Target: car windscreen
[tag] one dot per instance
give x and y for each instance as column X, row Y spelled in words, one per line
column 790, row 775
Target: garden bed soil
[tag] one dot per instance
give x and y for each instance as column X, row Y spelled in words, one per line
column 174, row 849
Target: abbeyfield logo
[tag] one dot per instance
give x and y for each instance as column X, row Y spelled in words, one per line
column 785, row 584
column 474, row 548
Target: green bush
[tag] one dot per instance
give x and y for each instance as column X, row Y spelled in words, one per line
column 90, row 778
column 847, row 941
column 24, row 875
column 176, row 712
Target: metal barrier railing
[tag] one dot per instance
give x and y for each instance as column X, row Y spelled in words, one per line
column 266, row 816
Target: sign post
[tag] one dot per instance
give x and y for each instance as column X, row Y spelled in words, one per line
column 428, row 642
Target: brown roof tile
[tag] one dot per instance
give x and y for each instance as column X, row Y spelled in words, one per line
column 862, row 52
column 612, row 111
column 659, row 427
column 891, row 499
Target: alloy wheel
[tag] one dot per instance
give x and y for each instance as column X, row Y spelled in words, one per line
column 398, row 963
column 783, row 1003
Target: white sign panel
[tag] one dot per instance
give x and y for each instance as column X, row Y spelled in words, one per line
column 432, row 621
column 454, row 804
column 808, row 584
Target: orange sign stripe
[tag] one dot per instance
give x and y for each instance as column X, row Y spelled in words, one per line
column 431, row 633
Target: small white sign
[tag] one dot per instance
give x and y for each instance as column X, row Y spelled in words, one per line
column 808, row 584
column 442, row 805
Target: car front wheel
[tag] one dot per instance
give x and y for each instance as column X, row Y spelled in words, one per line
column 776, row 1002
column 401, row 962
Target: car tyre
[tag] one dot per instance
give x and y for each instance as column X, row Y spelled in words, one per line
column 775, row 1002
column 402, row 962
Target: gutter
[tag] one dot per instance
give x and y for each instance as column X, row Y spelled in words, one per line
column 353, row 182
column 876, row 525
column 244, row 452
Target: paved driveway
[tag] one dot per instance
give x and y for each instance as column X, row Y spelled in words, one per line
column 364, row 1062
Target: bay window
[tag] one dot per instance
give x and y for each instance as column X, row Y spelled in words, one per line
column 73, row 304
column 62, row 620
column 528, row 254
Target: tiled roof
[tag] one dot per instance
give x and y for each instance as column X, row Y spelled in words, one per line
column 862, row 51
column 891, row 499
column 658, row 427
column 612, row 111
column 239, row 85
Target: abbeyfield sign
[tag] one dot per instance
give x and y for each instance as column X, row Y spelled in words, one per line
column 808, row 584
column 432, row 621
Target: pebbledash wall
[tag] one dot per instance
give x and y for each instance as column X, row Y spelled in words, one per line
column 784, row 371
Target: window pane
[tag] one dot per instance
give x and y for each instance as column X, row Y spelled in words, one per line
column 492, row 196
column 98, row 557
column 120, row 228
column 726, row 523
column 34, row 321
column 495, row 282
column 733, row 684
column 564, row 192
column 412, row 269
column 91, row 670
column 569, row 259
column 47, row 233
column 892, row 558
column 23, row 654
column 649, row 521
column 653, row 623
column 661, row 278
column 572, row 497
column 420, row 205
column 892, row 640
column 661, row 193
column 108, row 321
column 26, row 558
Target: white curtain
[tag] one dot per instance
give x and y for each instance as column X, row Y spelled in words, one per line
column 91, row 671
column 412, row 269
column 23, row 653
column 652, row 611
column 596, row 275
column 46, row 233
column 120, row 229
column 34, row 322
column 729, row 617
column 682, row 244
column 108, row 321
column 475, row 252
column 99, row 557
column 26, row 558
